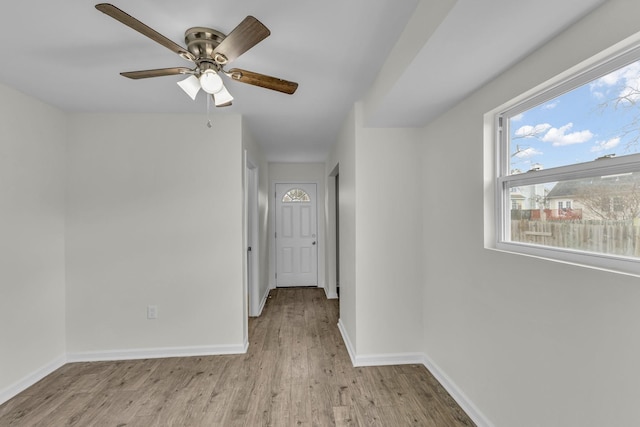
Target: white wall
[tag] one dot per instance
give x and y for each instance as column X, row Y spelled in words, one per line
column 256, row 157
column 424, row 21
column 530, row 342
column 343, row 155
column 154, row 217
column 380, row 241
column 32, row 278
column 388, row 240
column 299, row 172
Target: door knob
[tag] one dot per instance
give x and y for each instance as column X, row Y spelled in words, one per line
column 313, row 243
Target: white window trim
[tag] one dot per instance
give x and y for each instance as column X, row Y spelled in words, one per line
column 495, row 167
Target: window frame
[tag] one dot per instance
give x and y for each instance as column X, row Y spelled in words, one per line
column 582, row 74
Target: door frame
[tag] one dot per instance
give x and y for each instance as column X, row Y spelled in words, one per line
column 333, row 233
column 319, row 204
column 252, row 241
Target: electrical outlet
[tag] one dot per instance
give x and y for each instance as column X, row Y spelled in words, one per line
column 152, row 312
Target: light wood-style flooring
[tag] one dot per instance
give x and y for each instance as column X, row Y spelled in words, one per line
column 296, row 373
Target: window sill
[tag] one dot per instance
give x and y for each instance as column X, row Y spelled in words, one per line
column 610, row 264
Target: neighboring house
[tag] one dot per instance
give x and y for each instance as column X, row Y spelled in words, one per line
column 518, row 199
column 529, row 202
column 615, row 197
column 563, row 202
column 528, row 197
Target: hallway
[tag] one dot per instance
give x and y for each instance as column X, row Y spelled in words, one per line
column 296, row 372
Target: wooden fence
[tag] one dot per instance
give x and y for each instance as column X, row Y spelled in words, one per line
column 606, row 237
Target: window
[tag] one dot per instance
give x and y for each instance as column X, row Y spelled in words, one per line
column 569, row 162
column 295, row 195
column 619, row 204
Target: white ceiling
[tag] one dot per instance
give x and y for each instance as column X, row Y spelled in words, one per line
column 68, row 54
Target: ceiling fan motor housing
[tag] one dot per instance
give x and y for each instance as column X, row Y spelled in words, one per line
column 202, row 42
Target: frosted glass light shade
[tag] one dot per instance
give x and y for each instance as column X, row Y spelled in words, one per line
column 223, row 97
column 191, row 85
column 211, row 82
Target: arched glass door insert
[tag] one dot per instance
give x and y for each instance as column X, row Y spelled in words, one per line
column 296, row 195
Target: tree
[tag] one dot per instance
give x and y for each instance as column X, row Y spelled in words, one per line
column 626, row 99
column 611, row 198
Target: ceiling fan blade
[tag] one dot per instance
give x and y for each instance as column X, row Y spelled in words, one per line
column 246, row 35
column 159, row 72
column 262, row 80
column 133, row 23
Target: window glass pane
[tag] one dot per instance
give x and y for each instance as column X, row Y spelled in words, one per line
column 599, row 118
column 598, row 214
column 296, row 195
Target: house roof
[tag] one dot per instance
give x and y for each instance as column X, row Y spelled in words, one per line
column 572, row 188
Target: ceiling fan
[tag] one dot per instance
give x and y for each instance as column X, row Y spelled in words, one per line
column 210, row 51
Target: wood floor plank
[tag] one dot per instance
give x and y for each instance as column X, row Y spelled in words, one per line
column 344, row 416
column 322, row 413
column 66, row 412
column 297, row 372
column 300, row 408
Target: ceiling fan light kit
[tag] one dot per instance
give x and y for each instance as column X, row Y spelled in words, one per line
column 211, row 82
column 191, row 86
column 210, row 50
column 222, row 98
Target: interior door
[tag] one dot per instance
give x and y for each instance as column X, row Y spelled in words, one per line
column 296, row 235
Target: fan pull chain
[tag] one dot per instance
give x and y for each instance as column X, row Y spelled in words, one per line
column 209, row 111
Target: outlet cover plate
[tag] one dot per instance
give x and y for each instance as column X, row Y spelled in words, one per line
column 152, row 312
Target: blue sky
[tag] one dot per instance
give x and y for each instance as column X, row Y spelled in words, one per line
column 580, row 125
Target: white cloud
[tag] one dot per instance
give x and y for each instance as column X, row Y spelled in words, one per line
column 527, row 153
column 517, row 117
column 559, row 136
column 605, row 145
column 550, row 106
column 528, row 131
column 625, row 80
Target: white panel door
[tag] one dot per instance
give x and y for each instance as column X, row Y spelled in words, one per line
column 296, row 235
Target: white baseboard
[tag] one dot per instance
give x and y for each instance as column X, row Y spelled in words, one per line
column 465, row 403
column 26, row 382
column 156, row 353
column 330, row 295
column 357, row 360
column 377, row 359
column 263, row 302
column 347, row 341
column 389, row 359
column 421, row 359
column 99, row 356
